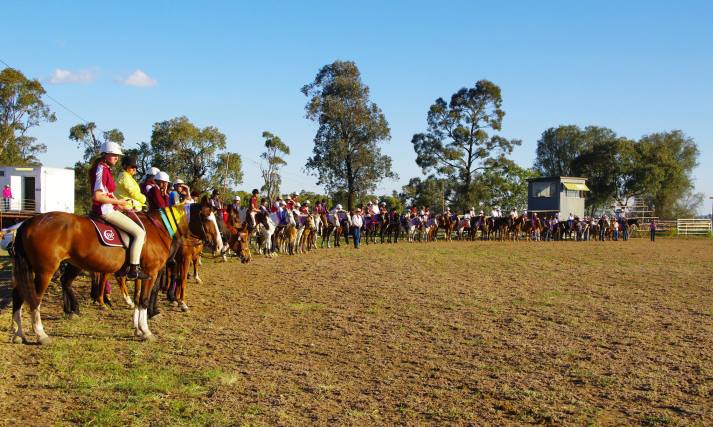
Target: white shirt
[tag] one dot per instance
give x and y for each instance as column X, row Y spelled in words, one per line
column 375, row 209
column 357, row 221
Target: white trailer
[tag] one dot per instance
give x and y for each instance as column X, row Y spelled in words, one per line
column 38, row 189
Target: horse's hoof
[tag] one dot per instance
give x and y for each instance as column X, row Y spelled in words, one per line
column 198, row 280
column 174, row 303
column 149, row 338
column 138, row 333
column 72, row 316
column 18, row 339
column 44, row 340
column 184, row 308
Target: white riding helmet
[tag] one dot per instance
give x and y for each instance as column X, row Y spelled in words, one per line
column 382, row 204
column 306, row 202
column 111, row 147
column 339, row 207
column 297, row 205
column 481, row 212
column 153, row 171
column 162, row 176
column 179, row 181
column 237, row 198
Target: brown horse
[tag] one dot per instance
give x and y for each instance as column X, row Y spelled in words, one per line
column 45, row 240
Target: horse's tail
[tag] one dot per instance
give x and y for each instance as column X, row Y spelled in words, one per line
column 23, row 276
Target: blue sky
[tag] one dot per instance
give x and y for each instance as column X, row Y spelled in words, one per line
column 636, row 67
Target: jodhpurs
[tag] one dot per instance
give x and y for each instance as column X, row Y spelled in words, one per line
column 123, row 222
column 218, row 238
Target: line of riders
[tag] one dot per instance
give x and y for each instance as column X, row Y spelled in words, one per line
column 290, row 226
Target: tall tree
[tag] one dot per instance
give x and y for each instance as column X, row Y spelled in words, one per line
column 347, row 147
column 185, row 151
column 458, row 144
column 558, row 148
column 21, row 108
column 228, row 172
column 666, row 160
column 274, row 149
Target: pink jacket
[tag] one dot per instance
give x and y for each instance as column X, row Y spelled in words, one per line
column 6, row 193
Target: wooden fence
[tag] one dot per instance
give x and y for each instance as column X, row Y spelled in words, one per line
column 693, row 227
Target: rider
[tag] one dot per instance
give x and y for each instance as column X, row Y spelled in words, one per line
column 304, row 208
column 175, row 195
column 513, row 213
column 149, row 181
column 494, row 212
column 127, row 187
column 254, row 208
column 105, row 204
column 158, row 194
column 375, row 208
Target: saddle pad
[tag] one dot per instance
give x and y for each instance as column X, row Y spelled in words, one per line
column 431, row 222
column 108, row 234
column 342, row 216
column 303, row 219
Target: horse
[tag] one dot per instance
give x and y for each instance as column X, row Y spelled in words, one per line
column 199, row 227
column 45, row 240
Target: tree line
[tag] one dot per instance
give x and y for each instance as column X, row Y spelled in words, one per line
column 464, row 160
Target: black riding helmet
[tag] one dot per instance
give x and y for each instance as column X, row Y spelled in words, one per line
column 128, row 162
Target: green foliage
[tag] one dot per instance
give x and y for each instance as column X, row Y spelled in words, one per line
column 429, row 192
column 458, row 144
column 21, row 108
column 666, row 161
column 83, row 135
column 504, row 186
column 183, row 150
column 657, row 168
column 273, row 162
column 347, row 154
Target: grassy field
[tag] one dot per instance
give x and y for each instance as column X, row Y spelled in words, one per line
column 445, row 333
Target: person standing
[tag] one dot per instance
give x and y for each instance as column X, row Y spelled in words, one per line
column 357, row 223
column 6, row 197
column 652, row 230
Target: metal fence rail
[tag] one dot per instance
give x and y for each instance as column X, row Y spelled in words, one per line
column 693, row 227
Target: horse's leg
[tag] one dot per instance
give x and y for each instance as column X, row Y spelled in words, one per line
column 69, row 297
column 102, row 290
column 121, row 281
column 152, row 305
column 18, row 334
column 42, row 280
column 141, row 311
column 184, row 280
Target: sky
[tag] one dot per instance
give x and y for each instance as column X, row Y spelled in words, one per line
column 636, row 67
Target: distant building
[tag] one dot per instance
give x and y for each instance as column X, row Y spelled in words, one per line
column 38, row 189
column 552, row 194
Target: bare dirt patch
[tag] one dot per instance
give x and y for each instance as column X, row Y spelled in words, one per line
column 444, row 333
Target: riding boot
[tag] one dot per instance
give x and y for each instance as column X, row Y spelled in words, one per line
column 135, row 273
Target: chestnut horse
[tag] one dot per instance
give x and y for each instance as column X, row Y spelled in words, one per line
column 44, row 241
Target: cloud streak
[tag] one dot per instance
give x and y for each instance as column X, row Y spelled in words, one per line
column 138, row 79
column 61, row 76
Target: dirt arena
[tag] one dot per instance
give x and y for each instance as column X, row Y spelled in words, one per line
column 444, row 333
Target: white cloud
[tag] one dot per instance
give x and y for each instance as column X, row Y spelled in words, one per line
column 138, row 79
column 60, row 76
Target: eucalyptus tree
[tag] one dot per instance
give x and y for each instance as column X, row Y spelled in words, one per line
column 347, row 146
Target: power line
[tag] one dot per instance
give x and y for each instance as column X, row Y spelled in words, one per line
column 85, row 121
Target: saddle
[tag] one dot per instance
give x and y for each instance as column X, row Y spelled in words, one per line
column 110, row 235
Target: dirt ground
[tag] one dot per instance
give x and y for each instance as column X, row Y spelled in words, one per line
column 445, row 333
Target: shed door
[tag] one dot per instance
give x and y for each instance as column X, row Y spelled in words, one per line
column 28, row 193
column 16, row 188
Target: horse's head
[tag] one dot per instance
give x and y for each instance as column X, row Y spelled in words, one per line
column 239, row 244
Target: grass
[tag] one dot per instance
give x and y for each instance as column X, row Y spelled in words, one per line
column 445, row 333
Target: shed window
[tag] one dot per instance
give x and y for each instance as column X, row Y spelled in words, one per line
column 543, row 189
column 573, row 193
